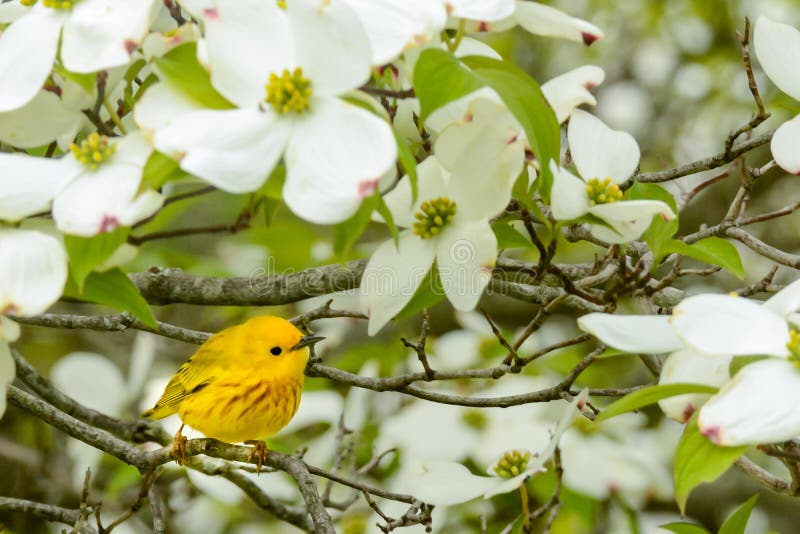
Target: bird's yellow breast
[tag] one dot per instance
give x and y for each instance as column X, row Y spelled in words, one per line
column 243, row 409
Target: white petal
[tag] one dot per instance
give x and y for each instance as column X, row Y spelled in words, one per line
column 544, row 20
column 159, row 106
column 629, row 219
column 466, row 253
column 247, row 40
column 9, row 330
column 393, row 275
column 103, row 200
column 394, row 26
column 691, row 367
column 100, row 34
column 758, row 406
column 568, row 198
column 648, row 334
column 571, row 89
column 335, row 158
column 447, row 483
column 722, row 324
column 92, row 380
column 316, row 25
column 483, row 10
column 42, row 120
column 30, row 183
column 785, row 301
column 232, row 149
column 27, row 50
column 777, row 47
column 473, row 47
column 457, row 109
column 784, row 145
column 432, row 182
column 33, row 269
column 599, row 151
column 7, row 372
column 484, row 157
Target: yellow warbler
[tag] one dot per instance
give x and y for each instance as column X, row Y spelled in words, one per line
column 243, row 384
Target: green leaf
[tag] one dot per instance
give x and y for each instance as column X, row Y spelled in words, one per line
column 114, row 289
column 685, row 528
column 273, row 187
column 408, row 162
column 86, row 253
column 524, row 98
column 179, row 68
column 740, row 361
column 508, row 236
column 346, row 233
column 429, row 293
column 713, row 250
column 612, row 352
column 659, row 231
column 650, row 395
column 697, row 460
column 388, row 218
column 85, row 81
column 737, row 521
column 440, row 78
column 158, row 170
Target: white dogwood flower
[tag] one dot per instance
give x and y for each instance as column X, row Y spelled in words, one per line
column 449, row 221
column 537, row 18
column 281, row 71
column 776, row 45
column 654, row 334
column 604, row 158
column 93, row 35
column 94, row 189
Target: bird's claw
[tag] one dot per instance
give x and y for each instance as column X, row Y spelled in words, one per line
column 179, row 448
column 259, row 452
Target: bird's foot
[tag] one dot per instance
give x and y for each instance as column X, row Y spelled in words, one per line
column 179, row 448
column 259, row 452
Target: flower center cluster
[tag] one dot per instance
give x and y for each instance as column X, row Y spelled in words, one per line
column 512, row 463
column 794, row 346
column 291, row 91
column 475, row 419
column 433, row 215
column 53, row 4
column 602, row 191
column 93, row 150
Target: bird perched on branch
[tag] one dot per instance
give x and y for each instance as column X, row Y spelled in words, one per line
column 243, row 384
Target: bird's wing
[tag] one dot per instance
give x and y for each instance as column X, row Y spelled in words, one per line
column 205, row 366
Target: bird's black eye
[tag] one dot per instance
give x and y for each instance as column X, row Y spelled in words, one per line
column 275, row 351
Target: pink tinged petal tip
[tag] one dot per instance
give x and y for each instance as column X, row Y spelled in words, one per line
column 483, row 26
column 589, row 38
column 713, row 434
column 210, row 13
column 688, row 412
column 109, row 224
column 367, row 187
column 130, row 46
column 9, row 309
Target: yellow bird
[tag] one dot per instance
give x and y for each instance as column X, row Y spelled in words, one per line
column 243, row 384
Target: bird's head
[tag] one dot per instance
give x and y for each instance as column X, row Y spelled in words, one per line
column 277, row 344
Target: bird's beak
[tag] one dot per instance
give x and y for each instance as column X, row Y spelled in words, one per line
column 305, row 341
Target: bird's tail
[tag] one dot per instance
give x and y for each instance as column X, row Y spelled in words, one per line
column 158, row 412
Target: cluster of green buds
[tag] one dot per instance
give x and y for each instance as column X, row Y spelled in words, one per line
column 794, row 347
column 433, row 215
column 291, row 91
column 93, row 150
column 602, row 191
column 56, row 4
column 475, row 418
column 512, row 463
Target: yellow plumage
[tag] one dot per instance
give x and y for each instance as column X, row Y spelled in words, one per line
column 243, row 384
